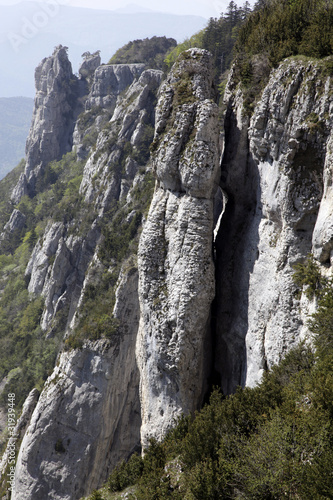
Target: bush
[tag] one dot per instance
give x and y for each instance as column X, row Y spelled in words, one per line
column 126, row 473
column 308, row 274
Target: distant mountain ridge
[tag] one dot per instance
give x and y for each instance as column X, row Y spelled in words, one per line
column 16, row 113
column 132, row 8
column 29, row 30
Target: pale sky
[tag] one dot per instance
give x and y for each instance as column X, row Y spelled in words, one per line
column 205, row 8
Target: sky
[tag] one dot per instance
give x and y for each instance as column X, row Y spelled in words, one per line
column 205, row 8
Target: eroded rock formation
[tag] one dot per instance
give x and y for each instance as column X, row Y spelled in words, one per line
column 175, row 255
column 52, row 125
column 191, row 310
column 272, row 172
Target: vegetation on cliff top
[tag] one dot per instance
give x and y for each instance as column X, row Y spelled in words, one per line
column 218, row 37
column 150, row 51
column 282, row 28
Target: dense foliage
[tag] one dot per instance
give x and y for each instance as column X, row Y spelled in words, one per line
column 218, row 37
column 150, row 51
column 282, row 28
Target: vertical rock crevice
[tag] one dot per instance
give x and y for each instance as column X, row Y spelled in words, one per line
column 236, row 248
column 272, row 172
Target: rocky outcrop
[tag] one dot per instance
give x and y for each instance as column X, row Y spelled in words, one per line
column 130, row 124
column 16, row 435
column 272, row 172
column 59, row 262
column 109, row 81
column 57, row 268
column 175, row 255
column 52, row 123
column 88, row 416
column 205, row 303
column 89, row 65
column 15, row 225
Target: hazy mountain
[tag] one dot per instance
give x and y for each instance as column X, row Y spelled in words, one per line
column 131, row 8
column 15, row 113
column 29, row 31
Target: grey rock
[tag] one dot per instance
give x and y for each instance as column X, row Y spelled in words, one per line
column 109, row 81
column 57, row 269
column 272, row 172
column 52, row 121
column 89, row 65
column 17, row 433
column 88, row 415
column 15, row 224
column 103, row 180
column 175, row 252
column 16, row 221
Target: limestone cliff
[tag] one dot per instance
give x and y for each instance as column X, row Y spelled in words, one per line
column 197, row 302
column 175, row 255
column 272, row 171
column 96, row 388
column 53, row 118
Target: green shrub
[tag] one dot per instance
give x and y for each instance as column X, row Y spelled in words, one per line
column 308, row 274
column 96, row 495
column 126, row 473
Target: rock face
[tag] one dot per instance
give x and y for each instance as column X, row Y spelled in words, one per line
column 18, row 432
column 59, row 261
column 135, row 113
column 57, row 268
column 202, row 303
column 88, row 416
column 272, row 172
column 175, row 255
column 109, row 81
column 15, row 225
column 52, row 121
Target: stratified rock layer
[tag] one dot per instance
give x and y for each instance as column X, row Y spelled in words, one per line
column 175, row 255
